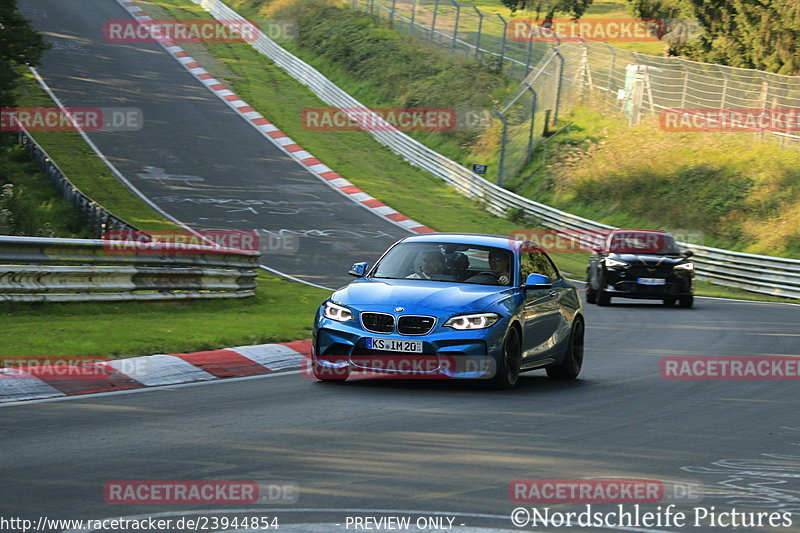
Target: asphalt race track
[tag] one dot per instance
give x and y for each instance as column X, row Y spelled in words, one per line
column 423, row 450
column 438, row 446
column 195, row 158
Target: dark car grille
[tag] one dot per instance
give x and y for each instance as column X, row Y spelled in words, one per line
column 415, row 325
column 640, row 271
column 378, row 322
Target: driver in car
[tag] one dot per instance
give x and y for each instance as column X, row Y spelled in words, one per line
column 498, row 262
column 432, row 266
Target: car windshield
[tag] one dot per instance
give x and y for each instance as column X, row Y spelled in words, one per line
column 461, row 263
column 633, row 242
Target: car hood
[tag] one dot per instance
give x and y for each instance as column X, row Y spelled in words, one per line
column 650, row 260
column 417, row 295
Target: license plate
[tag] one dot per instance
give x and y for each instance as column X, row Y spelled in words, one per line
column 394, row 345
column 652, row 281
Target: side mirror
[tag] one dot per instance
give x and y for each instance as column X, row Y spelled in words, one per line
column 358, row 270
column 537, row 281
column 688, row 253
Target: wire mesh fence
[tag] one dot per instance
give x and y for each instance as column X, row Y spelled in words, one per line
column 558, row 73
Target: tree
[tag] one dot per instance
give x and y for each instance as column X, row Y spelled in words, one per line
column 761, row 34
column 576, row 8
column 20, row 45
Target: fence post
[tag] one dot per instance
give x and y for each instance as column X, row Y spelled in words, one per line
column 413, row 16
column 391, row 13
column 764, row 99
column 533, row 121
column 435, row 12
column 502, row 147
column 371, row 6
column 480, row 29
column 558, row 84
column 458, row 16
column 610, row 83
column 503, row 42
column 685, row 85
column 721, row 70
column 530, row 48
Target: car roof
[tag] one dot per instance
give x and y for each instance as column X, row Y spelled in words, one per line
column 496, row 241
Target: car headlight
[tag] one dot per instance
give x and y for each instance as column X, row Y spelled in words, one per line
column 337, row 312
column 475, row 321
column 614, row 263
column 684, row 266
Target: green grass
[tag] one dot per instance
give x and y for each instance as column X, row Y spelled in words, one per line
column 645, row 177
column 281, row 311
column 29, row 205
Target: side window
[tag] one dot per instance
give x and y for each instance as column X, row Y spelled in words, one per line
column 551, row 270
column 537, row 263
column 527, row 265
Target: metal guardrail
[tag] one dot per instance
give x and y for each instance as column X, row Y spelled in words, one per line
column 94, row 215
column 36, row 269
column 763, row 274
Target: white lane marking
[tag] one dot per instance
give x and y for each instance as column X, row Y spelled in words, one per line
column 18, row 385
column 149, row 389
column 298, row 280
column 160, row 369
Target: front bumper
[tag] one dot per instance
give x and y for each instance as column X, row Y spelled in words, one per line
column 445, row 353
column 625, row 284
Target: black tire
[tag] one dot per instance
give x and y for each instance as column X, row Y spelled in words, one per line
column 326, row 373
column 669, row 302
column 603, row 299
column 686, row 301
column 507, row 373
column 591, row 295
column 571, row 366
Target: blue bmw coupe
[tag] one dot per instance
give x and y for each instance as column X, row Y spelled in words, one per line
column 452, row 306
